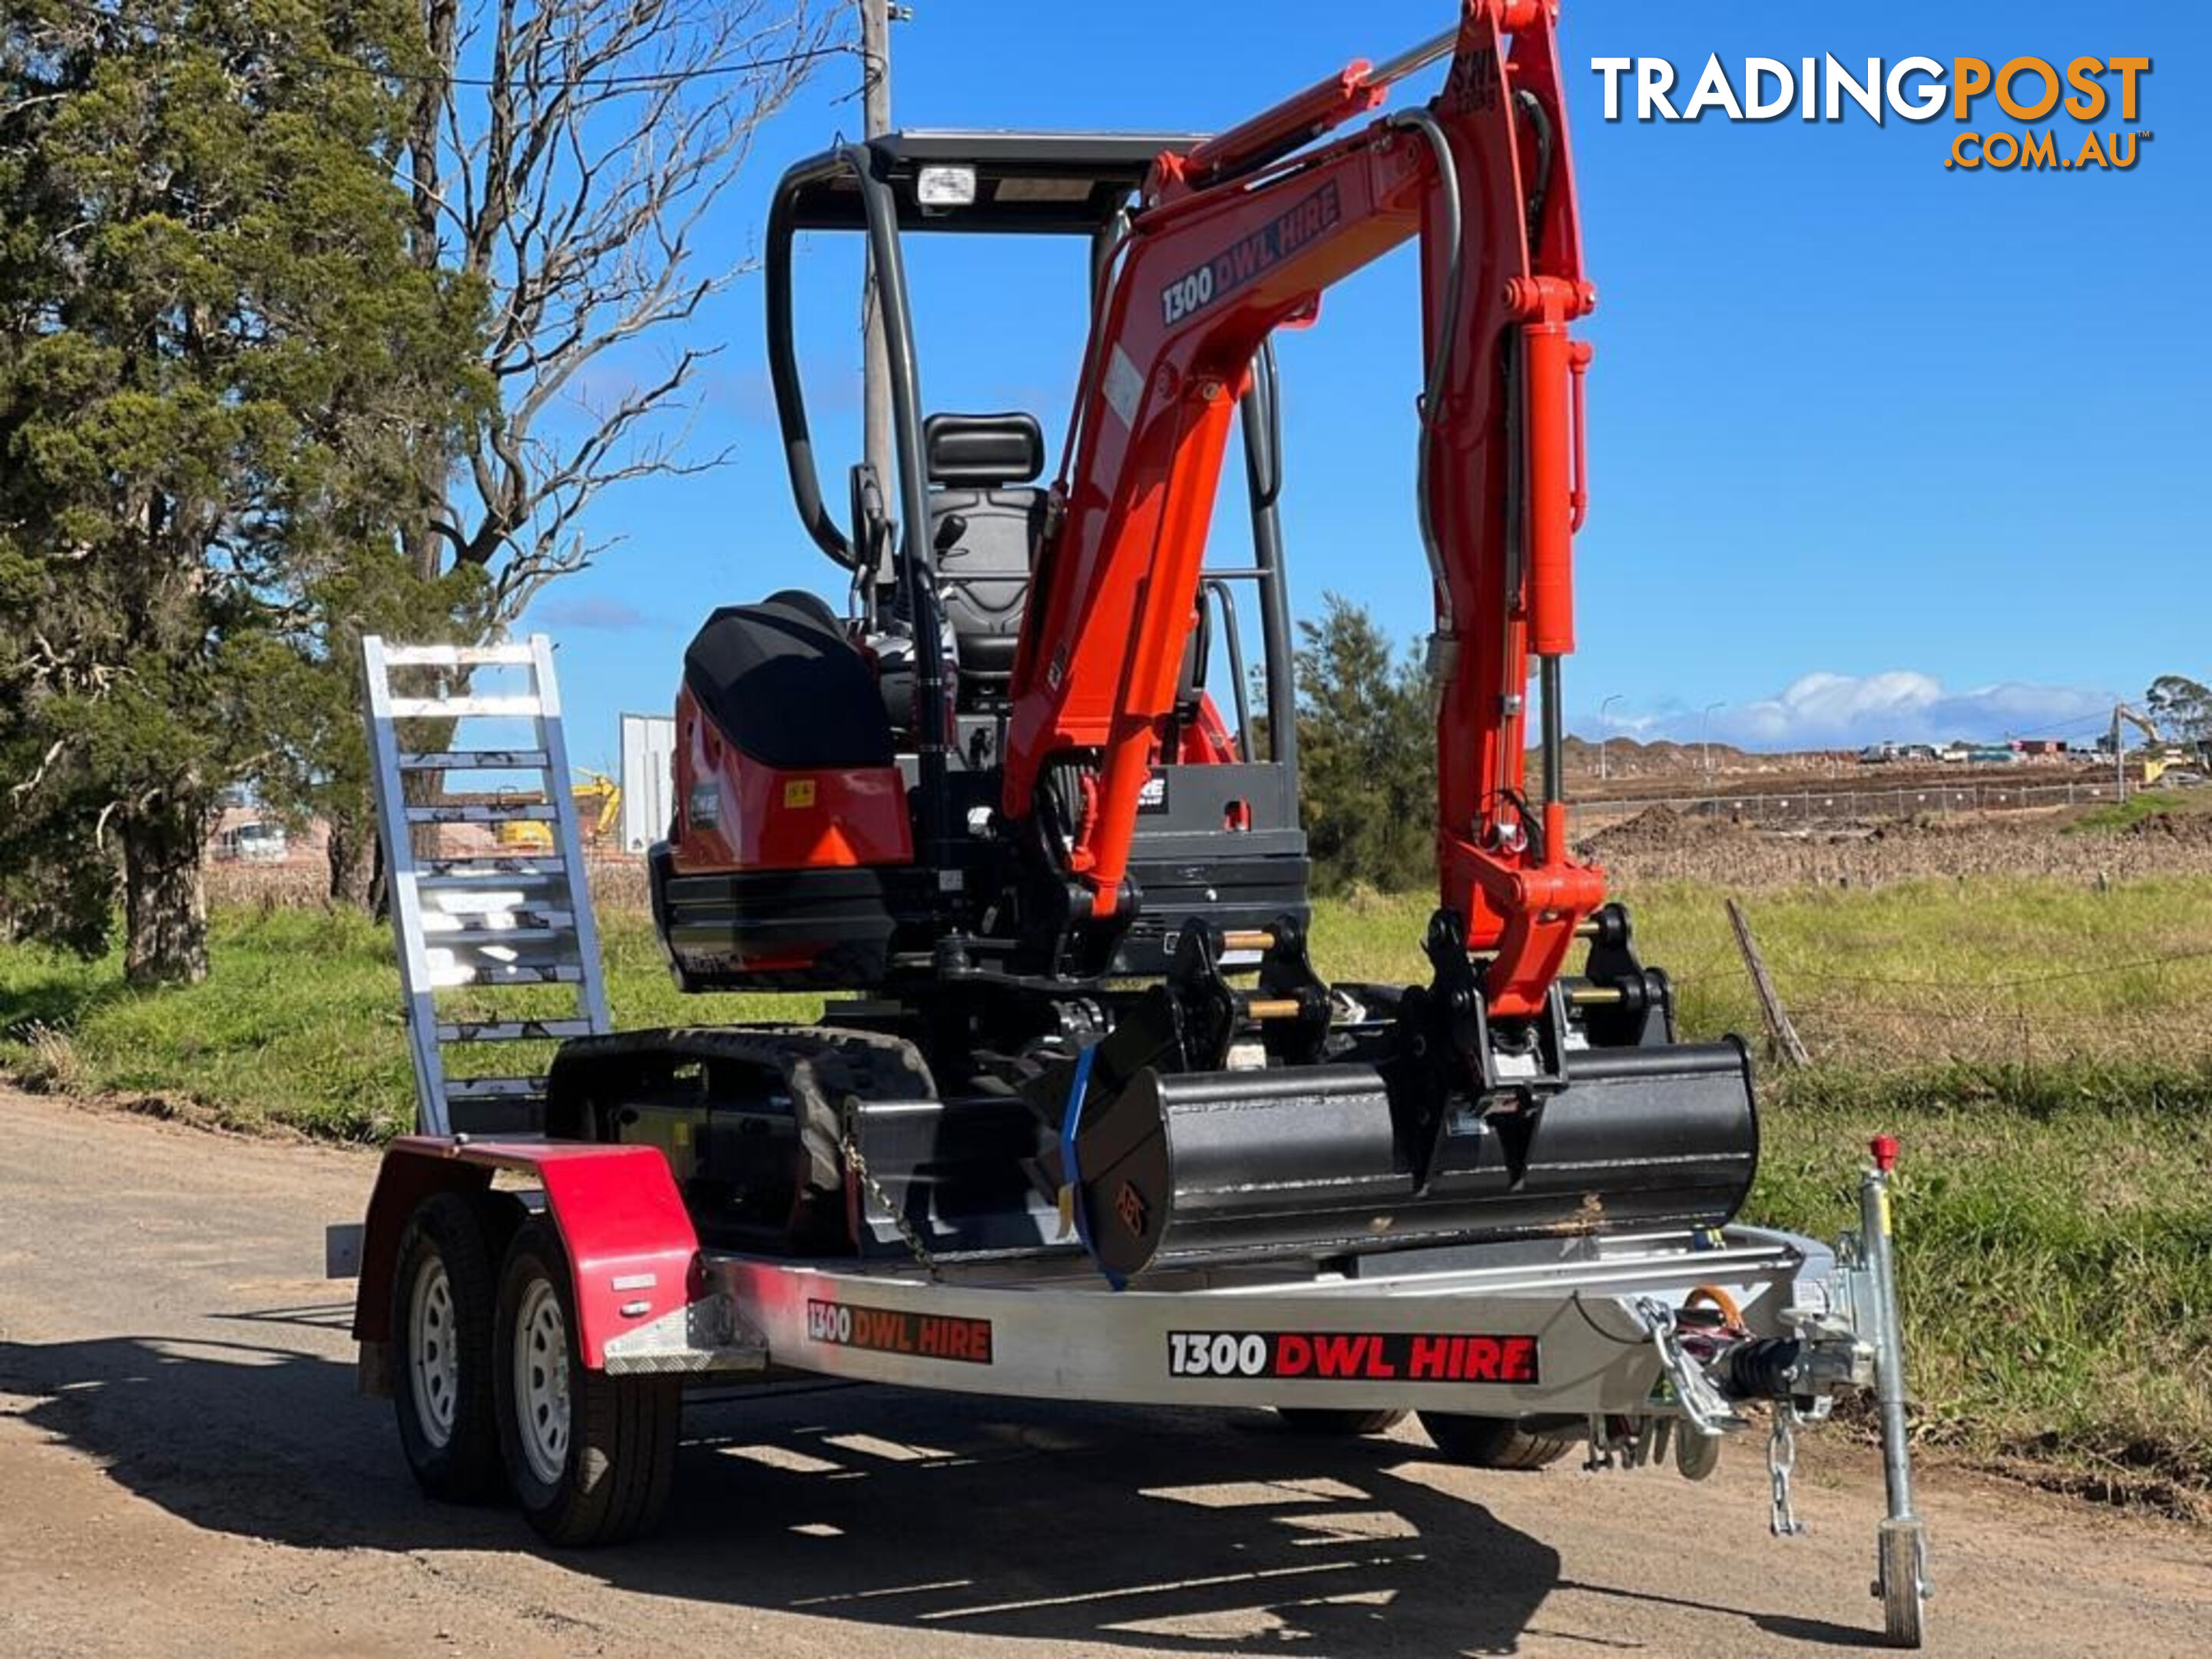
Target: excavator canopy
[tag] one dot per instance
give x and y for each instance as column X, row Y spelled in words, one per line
column 1047, row 183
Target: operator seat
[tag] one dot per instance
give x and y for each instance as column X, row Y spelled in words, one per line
column 985, row 514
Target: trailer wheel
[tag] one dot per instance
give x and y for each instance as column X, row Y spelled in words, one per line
column 1337, row 1420
column 441, row 1374
column 591, row 1456
column 1493, row 1443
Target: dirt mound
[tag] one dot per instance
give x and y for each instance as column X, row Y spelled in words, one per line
column 1655, row 829
column 2190, row 829
column 1920, row 827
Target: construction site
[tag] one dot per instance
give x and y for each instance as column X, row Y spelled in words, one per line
column 1063, row 1097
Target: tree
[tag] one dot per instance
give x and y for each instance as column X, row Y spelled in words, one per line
column 573, row 185
column 2180, row 707
column 220, row 370
column 1367, row 753
column 564, row 155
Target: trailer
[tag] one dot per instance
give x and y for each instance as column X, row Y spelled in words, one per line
column 538, row 1336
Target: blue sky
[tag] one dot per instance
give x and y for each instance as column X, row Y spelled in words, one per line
column 1878, row 448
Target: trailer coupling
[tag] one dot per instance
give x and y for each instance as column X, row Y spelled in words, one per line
column 1848, row 1336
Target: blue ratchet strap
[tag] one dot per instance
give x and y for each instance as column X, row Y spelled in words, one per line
column 1071, row 1119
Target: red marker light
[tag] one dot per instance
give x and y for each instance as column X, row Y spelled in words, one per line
column 1884, row 1148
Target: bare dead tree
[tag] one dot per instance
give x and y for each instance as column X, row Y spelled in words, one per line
column 567, row 156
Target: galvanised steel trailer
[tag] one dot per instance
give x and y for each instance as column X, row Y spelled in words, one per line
column 541, row 1335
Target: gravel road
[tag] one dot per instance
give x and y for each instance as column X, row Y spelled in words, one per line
column 186, row 1469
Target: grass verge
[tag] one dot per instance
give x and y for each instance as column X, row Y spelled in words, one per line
column 2036, row 1045
column 2116, row 817
column 299, row 1025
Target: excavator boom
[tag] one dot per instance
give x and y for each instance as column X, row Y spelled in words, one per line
column 1235, row 237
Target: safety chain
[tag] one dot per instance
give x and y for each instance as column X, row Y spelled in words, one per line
column 915, row 1248
column 1706, row 1408
column 1781, row 1463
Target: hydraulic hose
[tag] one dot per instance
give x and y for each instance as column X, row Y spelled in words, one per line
column 1440, row 360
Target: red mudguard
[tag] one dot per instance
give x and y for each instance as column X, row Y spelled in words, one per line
column 632, row 1249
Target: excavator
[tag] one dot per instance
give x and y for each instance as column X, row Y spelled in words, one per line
column 1078, row 1103
column 596, row 790
column 994, row 802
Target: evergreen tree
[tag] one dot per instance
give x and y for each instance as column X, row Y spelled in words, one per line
column 2180, row 707
column 1366, row 753
column 218, row 367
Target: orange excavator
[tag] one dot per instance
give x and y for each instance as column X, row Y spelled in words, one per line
column 998, row 798
column 1055, row 896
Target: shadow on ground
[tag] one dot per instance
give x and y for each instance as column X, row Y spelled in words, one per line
column 1153, row 1529
column 59, row 1001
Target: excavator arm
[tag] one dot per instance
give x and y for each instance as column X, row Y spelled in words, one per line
column 1240, row 235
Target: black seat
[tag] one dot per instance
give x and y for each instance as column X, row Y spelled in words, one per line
column 784, row 684
column 981, row 469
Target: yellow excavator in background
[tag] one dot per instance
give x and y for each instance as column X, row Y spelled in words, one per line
column 2158, row 756
column 599, row 793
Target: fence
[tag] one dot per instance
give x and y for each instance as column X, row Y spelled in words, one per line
column 2128, row 1011
column 1813, row 805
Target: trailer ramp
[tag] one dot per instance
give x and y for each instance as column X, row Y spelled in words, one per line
column 475, row 915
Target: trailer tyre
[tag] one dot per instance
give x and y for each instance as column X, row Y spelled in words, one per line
column 1330, row 1420
column 442, row 1365
column 1493, row 1443
column 591, row 1456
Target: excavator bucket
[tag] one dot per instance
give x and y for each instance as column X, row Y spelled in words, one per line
column 1178, row 1170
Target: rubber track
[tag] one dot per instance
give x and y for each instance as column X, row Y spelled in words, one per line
column 821, row 1066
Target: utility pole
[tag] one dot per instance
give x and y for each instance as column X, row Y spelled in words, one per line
column 876, row 121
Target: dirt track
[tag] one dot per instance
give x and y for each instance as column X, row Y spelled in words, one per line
column 186, row 1469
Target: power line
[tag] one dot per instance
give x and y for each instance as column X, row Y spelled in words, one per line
column 640, row 81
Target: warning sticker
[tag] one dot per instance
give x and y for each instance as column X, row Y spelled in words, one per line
column 893, row 1330
column 1123, row 385
column 1354, row 1356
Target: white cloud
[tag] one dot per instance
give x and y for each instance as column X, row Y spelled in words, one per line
column 598, row 610
column 1826, row 710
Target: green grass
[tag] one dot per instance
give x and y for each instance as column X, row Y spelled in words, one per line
column 2113, row 817
column 2040, row 1047
column 299, row 1024
column 2054, row 1240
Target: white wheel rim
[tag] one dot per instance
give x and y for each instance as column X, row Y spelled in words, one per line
column 433, row 1353
column 541, row 1382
